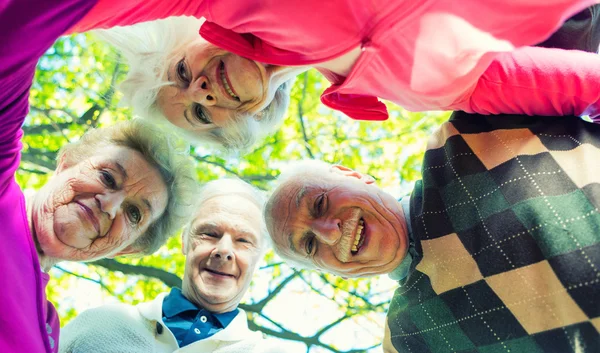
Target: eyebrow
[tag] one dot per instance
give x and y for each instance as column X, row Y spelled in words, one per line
column 215, row 227
column 149, row 206
column 291, row 244
column 121, row 170
column 300, row 196
column 185, row 115
column 298, row 201
column 124, row 175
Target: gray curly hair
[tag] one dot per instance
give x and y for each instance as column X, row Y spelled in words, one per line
column 175, row 168
column 146, row 47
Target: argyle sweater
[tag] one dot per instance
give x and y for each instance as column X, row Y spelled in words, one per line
column 506, row 228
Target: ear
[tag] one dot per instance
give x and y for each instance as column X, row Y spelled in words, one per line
column 183, row 242
column 367, row 179
column 62, row 163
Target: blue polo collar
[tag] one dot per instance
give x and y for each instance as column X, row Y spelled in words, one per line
column 176, row 303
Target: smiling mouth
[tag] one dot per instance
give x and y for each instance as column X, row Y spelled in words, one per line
column 215, row 272
column 359, row 240
column 90, row 216
column 226, row 83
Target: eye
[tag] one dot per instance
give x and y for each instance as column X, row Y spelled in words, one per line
column 133, row 214
column 201, row 115
column 108, row 179
column 319, row 205
column 181, row 71
column 309, row 245
column 212, row 235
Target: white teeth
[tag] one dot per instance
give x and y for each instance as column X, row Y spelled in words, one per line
column 224, row 79
column 359, row 235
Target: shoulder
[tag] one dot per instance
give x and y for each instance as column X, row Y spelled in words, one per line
column 106, row 329
column 115, row 314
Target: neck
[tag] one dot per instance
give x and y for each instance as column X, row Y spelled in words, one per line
column 402, row 269
column 46, row 262
column 343, row 64
column 197, row 299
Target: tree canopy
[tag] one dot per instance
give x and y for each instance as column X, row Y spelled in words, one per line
column 74, row 90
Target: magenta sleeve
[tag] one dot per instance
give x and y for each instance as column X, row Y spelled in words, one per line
column 538, row 81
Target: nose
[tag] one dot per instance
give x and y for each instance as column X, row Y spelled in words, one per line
column 110, row 202
column 201, row 92
column 327, row 231
column 224, row 249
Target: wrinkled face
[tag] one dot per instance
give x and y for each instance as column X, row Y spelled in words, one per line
column 222, row 251
column 340, row 222
column 212, row 86
column 99, row 206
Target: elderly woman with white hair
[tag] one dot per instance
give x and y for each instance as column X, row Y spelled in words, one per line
column 117, row 190
column 176, row 77
column 424, row 55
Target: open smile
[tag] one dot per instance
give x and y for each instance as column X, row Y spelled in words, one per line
column 90, row 216
column 359, row 239
column 225, row 83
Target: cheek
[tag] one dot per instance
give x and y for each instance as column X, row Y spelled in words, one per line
column 168, row 104
column 247, row 262
column 197, row 255
column 326, row 259
column 66, row 222
column 120, row 235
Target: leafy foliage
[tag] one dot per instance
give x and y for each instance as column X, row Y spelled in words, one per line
column 74, row 91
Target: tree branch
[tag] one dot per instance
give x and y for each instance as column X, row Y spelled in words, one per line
column 167, row 278
column 301, row 117
column 104, row 286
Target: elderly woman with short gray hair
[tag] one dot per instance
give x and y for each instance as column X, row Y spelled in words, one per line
column 117, row 191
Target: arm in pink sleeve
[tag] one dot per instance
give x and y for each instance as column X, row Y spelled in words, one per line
column 111, row 13
column 538, row 81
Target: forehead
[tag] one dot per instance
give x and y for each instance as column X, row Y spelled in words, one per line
column 232, row 212
column 286, row 209
column 141, row 177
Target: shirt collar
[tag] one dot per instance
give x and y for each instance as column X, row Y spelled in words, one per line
column 176, row 303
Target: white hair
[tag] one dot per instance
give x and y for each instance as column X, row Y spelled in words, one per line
column 228, row 187
column 147, row 46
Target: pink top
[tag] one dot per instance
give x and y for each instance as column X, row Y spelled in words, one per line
column 28, row 322
column 422, row 55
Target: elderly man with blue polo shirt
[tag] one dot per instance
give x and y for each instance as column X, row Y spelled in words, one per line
column 223, row 244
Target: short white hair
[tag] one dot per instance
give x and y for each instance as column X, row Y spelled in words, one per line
column 228, row 187
column 147, row 46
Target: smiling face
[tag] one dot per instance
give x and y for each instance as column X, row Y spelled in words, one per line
column 222, row 250
column 340, row 222
column 212, row 86
column 97, row 207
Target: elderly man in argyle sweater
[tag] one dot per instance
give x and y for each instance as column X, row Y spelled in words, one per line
column 497, row 249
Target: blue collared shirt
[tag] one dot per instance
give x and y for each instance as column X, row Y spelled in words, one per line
column 190, row 323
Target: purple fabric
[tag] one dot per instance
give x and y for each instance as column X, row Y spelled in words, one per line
column 28, row 322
